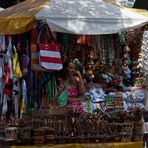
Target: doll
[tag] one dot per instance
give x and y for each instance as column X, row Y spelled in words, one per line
column 126, row 75
column 126, row 69
column 90, row 65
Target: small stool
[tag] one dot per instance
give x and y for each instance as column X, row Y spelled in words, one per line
column 26, row 132
column 11, row 132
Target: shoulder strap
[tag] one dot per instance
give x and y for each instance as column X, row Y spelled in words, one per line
column 33, row 35
column 40, row 35
column 49, row 33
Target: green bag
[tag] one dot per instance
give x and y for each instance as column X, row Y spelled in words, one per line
column 52, row 91
column 62, row 98
column 53, row 95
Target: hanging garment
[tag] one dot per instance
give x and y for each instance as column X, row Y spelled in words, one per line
column 7, row 77
column 35, row 64
column 2, row 48
column 37, row 91
column 62, row 38
column 8, row 71
column 4, row 104
column 15, row 95
column 24, row 98
column 2, row 42
column 8, row 86
column 1, row 93
column 16, row 65
column 9, row 56
column 32, row 88
column 25, row 61
column 44, row 78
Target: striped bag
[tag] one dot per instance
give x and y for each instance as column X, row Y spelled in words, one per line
column 50, row 57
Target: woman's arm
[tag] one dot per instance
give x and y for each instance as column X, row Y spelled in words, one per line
column 80, row 83
column 81, row 87
column 72, row 100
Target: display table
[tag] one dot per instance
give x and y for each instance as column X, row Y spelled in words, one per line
column 89, row 145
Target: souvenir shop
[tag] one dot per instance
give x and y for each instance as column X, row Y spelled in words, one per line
column 111, row 107
column 68, row 90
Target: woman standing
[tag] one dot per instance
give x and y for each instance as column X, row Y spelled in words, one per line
column 75, row 86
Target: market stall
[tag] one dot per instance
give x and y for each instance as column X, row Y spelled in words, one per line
column 33, row 111
column 105, row 100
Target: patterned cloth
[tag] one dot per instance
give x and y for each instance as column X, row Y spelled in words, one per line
column 76, row 106
column 72, row 92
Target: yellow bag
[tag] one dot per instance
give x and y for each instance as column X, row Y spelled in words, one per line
column 16, row 65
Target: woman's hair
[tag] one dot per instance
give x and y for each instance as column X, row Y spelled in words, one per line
column 66, row 64
column 63, row 73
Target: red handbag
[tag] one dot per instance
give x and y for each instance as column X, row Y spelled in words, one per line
column 49, row 49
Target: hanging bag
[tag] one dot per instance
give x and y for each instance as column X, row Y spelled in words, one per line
column 35, row 62
column 50, row 57
column 54, row 95
column 61, row 99
column 34, row 52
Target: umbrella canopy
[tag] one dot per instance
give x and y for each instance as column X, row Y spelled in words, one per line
column 89, row 17
column 20, row 17
column 70, row 16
